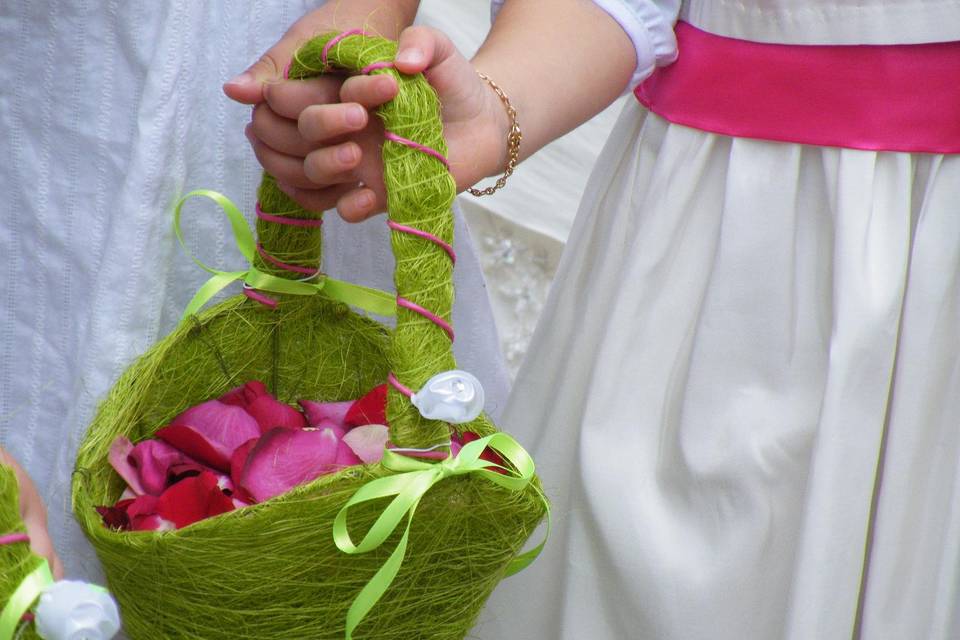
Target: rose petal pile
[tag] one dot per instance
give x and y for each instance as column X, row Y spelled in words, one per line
column 243, row 448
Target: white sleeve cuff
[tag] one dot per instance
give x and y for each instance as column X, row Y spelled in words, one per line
column 649, row 25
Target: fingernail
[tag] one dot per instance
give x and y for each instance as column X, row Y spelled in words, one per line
column 355, row 115
column 346, row 154
column 364, row 201
column 243, row 79
column 410, row 56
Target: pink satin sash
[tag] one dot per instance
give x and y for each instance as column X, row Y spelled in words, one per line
column 876, row 97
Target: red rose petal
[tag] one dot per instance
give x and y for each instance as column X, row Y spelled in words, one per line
column 370, row 409
column 488, row 454
column 285, row 458
column 116, row 517
column 326, row 412
column 193, row 499
column 244, row 394
column 210, row 432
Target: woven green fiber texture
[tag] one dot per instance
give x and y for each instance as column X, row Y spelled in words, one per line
column 16, row 560
column 272, row 570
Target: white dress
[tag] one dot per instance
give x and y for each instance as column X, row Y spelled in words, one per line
column 743, row 395
column 110, row 110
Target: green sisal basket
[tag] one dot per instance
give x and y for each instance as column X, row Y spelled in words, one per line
column 272, row 570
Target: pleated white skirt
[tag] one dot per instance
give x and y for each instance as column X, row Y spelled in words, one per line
column 743, row 397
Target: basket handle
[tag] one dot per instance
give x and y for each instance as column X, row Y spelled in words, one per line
column 420, row 192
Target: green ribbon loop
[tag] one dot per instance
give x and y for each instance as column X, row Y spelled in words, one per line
column 373, row 300
column 23, row 598
column 413, row 479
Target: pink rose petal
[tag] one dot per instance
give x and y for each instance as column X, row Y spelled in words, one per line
column 237, row 462
column 269, row 412
column 118, row 457
column 210, row 432
column 155, row 461
column 368, row 441
column 325, row 412
column 285, row 458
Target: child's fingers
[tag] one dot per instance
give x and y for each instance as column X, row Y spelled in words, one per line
column 278, row 133
column 370, row 91
column 422, row 47
column 359, row 204
column 290, row 97
column 285, row 168
column 317, row 199
column 332, row 165
column 321, row 122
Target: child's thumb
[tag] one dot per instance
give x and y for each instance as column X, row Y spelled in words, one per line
column 247, row 87
column 421, row 48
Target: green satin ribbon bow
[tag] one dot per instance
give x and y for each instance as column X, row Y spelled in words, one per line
column 372, row 300
column 414, row 478
column 23, row 598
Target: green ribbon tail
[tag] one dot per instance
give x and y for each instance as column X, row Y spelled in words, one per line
column 379, row 583
column 23, row 598
column 209, row 289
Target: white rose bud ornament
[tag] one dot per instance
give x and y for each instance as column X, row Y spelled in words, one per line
column 452, row 396
column 72, row 610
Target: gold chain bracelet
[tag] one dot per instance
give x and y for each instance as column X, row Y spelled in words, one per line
column 513, row 140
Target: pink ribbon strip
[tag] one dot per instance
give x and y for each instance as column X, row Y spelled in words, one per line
column 283, row 265
column 337, row 38
column 14, row 538
column 426, row 236
column 375, row 66
column 389, row 135
column 873, row 97
column 293, row 222
column 255, row 295
column 399, row 386
column 432, row 317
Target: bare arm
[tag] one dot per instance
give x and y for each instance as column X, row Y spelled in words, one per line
column 560, row 61
column 34, row 515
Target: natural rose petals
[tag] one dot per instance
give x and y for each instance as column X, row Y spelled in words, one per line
column 119, row 459
column 370, row 409
column 210, row 432
column 155, row 463
column 325, row 412
column 244, row 394
column 368, row 441
column 285, row 458
column 143, row 515
column 193, row 499
column 269, row 412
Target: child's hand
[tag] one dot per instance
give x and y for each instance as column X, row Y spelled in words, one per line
column 331, row 155
column 34, row 516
